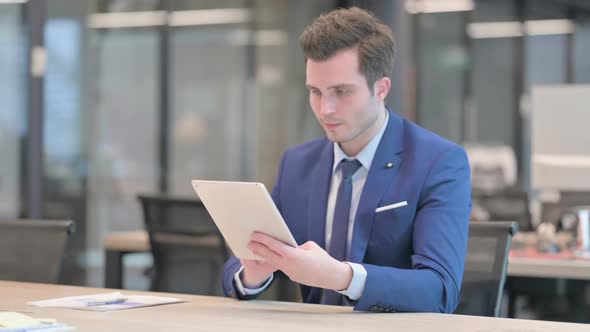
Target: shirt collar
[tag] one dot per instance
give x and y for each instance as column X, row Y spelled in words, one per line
column 367, row 153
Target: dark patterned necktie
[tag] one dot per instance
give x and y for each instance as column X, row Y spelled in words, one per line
column 338, row 240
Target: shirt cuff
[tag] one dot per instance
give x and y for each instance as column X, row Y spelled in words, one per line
column 249, row 291
column 357, row 284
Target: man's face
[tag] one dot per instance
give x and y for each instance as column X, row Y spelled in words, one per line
column 342, row 102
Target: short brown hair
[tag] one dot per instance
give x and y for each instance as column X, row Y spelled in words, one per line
column 347, row 28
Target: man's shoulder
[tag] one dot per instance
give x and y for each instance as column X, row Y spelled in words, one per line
column 309, row 149
column 421, row 140
column 300, row 160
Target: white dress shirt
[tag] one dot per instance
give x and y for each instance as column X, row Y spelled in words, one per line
column 365, row 157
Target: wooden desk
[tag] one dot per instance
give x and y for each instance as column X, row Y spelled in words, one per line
column 549, row 268
column 202, row 313
column 116, row 246
column 119, row 244
column 527, row 263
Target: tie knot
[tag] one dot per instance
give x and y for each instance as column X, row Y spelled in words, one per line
column 349, row 167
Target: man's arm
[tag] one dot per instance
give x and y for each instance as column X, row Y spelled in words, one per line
column 439, row 243
column 230, row 269
column 233, row 283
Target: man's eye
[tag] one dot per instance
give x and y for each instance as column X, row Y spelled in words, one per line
column 315, row 92
column 341, row 92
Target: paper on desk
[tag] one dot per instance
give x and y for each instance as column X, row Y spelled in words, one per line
column 16, row 322
column 81, row 302
column 14, row 319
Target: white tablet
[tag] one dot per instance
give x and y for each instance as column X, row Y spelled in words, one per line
column 240, row 209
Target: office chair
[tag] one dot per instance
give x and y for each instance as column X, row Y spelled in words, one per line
column 485, row 268
column 187, row 248
column 510, row 204
column 32, row 250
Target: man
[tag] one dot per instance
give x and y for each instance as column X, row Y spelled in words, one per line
column 380, row 206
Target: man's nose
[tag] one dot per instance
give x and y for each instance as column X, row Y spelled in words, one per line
column 326, row 106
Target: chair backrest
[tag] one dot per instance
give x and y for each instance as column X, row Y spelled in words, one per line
column 485, row 268
column 187, row 248
column 508, row 205
column 32, row 250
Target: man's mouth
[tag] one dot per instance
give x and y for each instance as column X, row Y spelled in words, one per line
column 332, row 125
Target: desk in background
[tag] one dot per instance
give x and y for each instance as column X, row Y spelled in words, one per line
column 552, row 269
column 526, row 261
column 116, row 246
column 119, row 244
column 538, row 267
column 535, row 274
column 204, row 313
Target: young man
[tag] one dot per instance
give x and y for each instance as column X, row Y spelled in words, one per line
column 380, row 206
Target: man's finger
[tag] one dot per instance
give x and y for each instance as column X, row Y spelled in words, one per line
column 270, row 256
column 272, row 243
column 308, row 245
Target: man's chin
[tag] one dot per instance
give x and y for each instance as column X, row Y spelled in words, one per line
column 331, row 137
column 335, row 138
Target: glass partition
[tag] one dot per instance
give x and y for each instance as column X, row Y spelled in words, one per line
column 13, row 44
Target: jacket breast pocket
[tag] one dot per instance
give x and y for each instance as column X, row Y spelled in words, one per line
column 393, row 227
column 393, row 212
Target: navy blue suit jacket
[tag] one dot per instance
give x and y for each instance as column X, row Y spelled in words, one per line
column 414, row 255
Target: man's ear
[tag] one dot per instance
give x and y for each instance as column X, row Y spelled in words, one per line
column 381, row 88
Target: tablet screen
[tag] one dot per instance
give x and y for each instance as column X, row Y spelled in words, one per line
column 240, row 209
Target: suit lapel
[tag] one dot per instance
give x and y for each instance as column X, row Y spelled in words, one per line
column 318, row 200
column 379, row 179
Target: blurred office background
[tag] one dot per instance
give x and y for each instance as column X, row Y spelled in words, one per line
column 103, row 99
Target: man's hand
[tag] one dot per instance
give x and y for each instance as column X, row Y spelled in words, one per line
column 255, row 273
column 308, row 264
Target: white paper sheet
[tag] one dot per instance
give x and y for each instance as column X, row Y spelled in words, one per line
column 88, row 302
